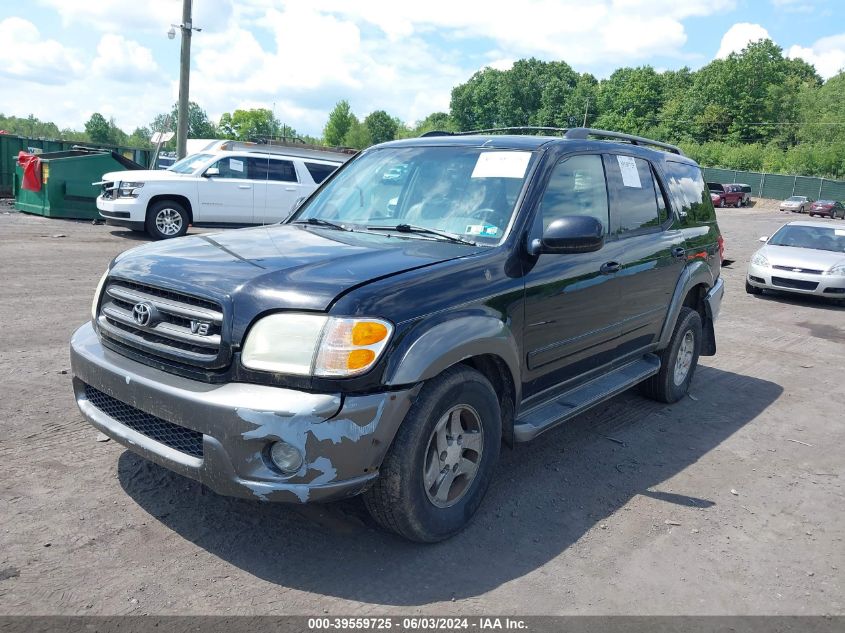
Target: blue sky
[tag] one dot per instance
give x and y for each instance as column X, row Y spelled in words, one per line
column 64, row 59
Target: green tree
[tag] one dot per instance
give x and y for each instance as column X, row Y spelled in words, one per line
column 98, row 129
column 357, row 136
column 339, row 123
column 630, row 100
column 381, row 126
column 245, row 125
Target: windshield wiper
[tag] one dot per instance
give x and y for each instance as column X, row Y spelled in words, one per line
column 321, row 222
column 410, row 228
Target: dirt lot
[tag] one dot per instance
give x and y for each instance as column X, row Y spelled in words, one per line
column 729, row 502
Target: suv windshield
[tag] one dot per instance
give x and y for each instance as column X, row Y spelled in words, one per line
column 466, row 192
column 821, row 238
column 189, row 164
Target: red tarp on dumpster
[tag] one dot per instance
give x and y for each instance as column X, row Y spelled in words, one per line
column 31, row 166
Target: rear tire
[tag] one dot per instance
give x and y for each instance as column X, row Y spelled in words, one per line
column 166, row 219
column 416, row 494
column 678, row 361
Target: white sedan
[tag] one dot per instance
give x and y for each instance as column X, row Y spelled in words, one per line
column 801, row 257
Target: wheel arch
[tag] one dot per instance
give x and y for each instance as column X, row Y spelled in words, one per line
column 481, row 341
column 694, row 284
column 175, row 197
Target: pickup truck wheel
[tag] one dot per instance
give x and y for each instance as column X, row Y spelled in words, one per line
column 678, row 361
column 721, row 203
column 166, row 219
column 436, row 472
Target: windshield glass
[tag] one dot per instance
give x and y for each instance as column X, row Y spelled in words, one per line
column 795, row 199
column 821, row 238
column 189, row 164
column 466, row 192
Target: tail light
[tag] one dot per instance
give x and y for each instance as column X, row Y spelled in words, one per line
column 721, row 248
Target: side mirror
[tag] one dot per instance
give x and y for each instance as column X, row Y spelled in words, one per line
column 570, row 234
column 211, row 171
column 765, row 238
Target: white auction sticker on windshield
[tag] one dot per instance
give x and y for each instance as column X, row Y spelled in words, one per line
column 630, row 175
column 839, row 232
column 236, row 165
column 501, row 165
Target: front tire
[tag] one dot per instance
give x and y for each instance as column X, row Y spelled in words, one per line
column 678, row 361
column 752, row 290
column 166, row 219
column 436, row 473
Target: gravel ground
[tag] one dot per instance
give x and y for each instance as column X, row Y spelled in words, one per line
column 729, row 502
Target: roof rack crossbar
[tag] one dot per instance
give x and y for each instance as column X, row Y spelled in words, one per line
column 520, row 128
column 586, row 132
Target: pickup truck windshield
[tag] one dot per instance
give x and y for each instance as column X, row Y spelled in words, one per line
column 467, row 192
column 189, row 164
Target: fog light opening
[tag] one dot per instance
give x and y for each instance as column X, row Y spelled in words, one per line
column 286, row 457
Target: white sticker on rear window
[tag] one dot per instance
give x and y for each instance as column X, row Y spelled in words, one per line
column 236, row 165
column 630, row 175
column 501, row 165
column 840, row 232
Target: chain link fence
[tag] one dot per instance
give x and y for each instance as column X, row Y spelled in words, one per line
column 779, row 186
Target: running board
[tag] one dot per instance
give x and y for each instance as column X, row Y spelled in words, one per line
column 567, row 405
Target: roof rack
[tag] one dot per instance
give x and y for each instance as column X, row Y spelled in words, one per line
column 574, row 133
column 586, row 132
column 299, row 150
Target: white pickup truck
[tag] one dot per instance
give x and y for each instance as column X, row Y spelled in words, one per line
column 228, row 183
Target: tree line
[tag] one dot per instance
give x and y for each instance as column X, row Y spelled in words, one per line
column 753, row 110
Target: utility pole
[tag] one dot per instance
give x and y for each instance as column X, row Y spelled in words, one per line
column 586, row 108
column 184, row 80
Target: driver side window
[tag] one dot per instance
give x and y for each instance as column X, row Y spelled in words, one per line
column 576, row 187
column 231, row 167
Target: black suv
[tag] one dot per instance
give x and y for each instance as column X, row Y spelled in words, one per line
column 432, row 299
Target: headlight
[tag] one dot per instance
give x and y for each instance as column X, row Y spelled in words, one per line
column 838, row 269
column 315, row 345
column 97, row 293
column 129, row 189
column 760, row 260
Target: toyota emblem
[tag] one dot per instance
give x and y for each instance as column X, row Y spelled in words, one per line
column 142, row 314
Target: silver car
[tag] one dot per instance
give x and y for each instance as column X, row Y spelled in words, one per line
column 802, row 257
column 796, row 204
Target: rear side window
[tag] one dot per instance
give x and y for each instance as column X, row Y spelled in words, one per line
column 272, row 169
column 688, row 190
column 633, row 195
column 576, row 187
column 320, row 172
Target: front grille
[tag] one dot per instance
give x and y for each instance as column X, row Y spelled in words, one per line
column 181, row 328
column 172, row 435
column 794, row 283
column 796, row 269
column 109, row 191
column 835, row 291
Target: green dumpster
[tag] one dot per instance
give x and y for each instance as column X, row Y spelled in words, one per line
column 66, row 177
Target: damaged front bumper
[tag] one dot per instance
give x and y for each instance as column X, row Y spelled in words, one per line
column 228, row 428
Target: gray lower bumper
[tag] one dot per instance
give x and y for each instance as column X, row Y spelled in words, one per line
column 344, row 439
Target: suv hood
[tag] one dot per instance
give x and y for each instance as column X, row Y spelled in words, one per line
column 278, row 266
column 143, row 175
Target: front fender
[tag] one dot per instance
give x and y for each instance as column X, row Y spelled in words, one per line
column 435, row 345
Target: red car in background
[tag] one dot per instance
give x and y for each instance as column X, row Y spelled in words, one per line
column 729, row 196
column 827, row 208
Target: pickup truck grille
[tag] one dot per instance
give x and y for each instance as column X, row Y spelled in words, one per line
column 163, row 324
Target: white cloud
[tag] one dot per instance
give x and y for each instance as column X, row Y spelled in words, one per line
column 827, row 55
column 124, row 60
column 739, row 36
column 25, row 56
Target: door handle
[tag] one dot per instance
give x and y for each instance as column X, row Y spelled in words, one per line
column 244, row 186
column 610, row 267
column 679, row 252
column 290, row 188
